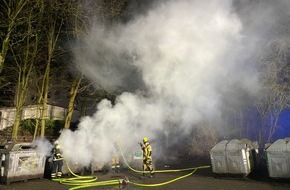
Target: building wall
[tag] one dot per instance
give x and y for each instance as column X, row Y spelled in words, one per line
column 7, row 115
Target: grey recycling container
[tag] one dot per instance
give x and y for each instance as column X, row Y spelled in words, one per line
column 278, row 158
column 234, row 157
column 219, row 158
column 20, row 162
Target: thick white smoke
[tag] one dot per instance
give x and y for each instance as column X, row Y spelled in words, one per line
column 185, row 53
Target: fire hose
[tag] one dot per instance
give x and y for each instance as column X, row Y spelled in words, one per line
column 84, row 181
column 91, row 181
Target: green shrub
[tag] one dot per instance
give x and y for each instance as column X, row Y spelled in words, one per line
column 52, row 127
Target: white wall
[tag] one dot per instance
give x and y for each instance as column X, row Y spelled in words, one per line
column 30, row 112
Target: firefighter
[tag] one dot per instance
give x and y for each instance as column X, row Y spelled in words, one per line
column 147, row 157
column 115, row 162
column 57, row 161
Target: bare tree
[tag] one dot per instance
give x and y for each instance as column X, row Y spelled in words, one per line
column 79, row 27
column 204, row 138
column 107, row 13
column 25, row 59
column 275, row 79
column 55, row 22
column 10, row 11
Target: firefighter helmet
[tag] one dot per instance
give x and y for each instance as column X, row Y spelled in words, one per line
column 145, row 139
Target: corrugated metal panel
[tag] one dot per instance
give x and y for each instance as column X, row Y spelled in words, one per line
column 233, row 157
column 20, row 162
column 278, row 159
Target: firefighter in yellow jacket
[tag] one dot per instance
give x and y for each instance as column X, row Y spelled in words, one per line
column 147, row 157
column 57, row 161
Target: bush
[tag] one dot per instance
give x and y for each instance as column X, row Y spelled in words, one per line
column 52, row 127
column 201, row 140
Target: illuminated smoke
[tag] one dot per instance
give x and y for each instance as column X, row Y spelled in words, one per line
column 176, row 62
column 43, row 147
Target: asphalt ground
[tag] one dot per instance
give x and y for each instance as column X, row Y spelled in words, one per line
column 202, row 179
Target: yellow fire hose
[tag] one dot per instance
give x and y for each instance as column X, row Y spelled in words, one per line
column 164, row 183
column 84, row 181
column 91, row 181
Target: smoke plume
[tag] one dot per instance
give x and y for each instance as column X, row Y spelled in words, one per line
column 175, row 65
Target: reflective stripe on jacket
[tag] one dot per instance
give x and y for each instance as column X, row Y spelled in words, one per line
column 147, row 151
column 57, row 153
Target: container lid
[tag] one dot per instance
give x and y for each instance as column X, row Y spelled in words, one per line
column 221, row 146
column 280, row 145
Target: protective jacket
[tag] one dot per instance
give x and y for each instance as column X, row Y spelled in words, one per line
column 147, row 157
column 147, row 152
column 57, row 155
column 57, row 162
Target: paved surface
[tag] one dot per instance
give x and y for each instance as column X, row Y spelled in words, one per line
column 200, row 180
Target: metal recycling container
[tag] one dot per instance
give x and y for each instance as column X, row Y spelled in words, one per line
column 219, row 158
column 278, row 159
column 20, row 162
column 233, row 157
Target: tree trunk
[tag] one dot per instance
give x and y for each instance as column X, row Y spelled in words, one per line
column 16, row 125
column 25, row 68
column 38, row 111
column 262, row 132
column 53, row 34
column 45, row 97
column 5, row 45
column 73, row 92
